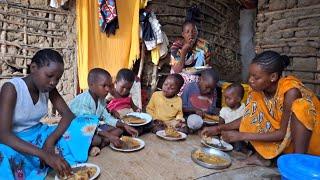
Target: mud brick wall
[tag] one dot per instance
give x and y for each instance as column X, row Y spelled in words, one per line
column 29, row 25
column 217, row 23
column 292, row 27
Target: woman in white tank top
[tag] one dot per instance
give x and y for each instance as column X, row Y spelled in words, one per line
column 27, row 147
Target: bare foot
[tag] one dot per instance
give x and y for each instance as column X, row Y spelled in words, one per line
column 95, row 151
column 256, row 159
column 238, row 155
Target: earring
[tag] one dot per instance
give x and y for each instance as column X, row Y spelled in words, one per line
column 271, row 80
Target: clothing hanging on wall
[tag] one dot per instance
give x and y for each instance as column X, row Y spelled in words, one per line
column 108, row 18
column 154, row 38
column 95, row 49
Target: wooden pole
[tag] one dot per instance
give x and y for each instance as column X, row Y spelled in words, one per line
column 3, row 35
column 142, row 57
column 46, row 10
column 154, row 78
column 25, row 42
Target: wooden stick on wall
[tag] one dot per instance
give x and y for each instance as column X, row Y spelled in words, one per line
column 154, row 78
column 25, row 41
column 3, row 35
column 142, row 57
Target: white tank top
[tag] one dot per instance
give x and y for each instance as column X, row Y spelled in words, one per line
column 26, row 114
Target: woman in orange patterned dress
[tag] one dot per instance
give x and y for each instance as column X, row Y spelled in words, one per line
column 281, row 114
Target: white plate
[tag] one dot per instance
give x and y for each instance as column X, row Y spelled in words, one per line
column 210, row 122
column 162, row 134
column 202, row 67
column 215, row 142
column 145, row 116
column 142, row 144
column 88, row 165
column 192, row 71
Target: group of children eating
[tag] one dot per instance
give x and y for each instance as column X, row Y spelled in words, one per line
column 281, row 115
column 165, row 107
column 81, row 121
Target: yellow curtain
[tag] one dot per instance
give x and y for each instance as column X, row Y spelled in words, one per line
column 96, row 49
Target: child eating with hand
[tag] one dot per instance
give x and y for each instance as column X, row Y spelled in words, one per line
column 121, row 102
column 200, row 98
column 92, row 102
column 165, row 106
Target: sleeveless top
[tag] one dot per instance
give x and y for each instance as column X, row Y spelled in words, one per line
column 26, row 114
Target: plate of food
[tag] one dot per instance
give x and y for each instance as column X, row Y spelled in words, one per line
column 51, row 120
column 137, row 119
column 191, row 70
column 216, row 143
column 83, row 171
column 171, row 134
column 211, row 119
column 211, row 158
column 195, row 70
column 202, row 67
column 129, row 144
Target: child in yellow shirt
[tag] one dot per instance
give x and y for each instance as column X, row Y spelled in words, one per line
column 165, row 106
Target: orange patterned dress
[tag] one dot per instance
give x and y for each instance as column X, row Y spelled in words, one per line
column 263, row 115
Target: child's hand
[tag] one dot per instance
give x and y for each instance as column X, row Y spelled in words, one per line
column 186, row 47
column 132, row 131
column 210, row 131
column 115, row 140
column 200, row 113
column 180, row 124
column 115, row 114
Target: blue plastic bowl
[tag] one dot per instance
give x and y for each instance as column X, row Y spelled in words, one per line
column 299, row 166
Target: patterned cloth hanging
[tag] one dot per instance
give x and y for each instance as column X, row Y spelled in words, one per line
column 154, row 38
column 147, row 32
column 108, row 18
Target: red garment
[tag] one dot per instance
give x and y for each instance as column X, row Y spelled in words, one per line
column 119, row 103
column 201, row 102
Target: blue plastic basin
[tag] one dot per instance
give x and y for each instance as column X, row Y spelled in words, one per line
column 299, row 166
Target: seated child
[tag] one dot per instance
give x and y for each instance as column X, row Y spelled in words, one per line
column 92, row 102
column 234, row 109
column 200, row 98
column 165, row 106
column 189, row 51
column 121, row 103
